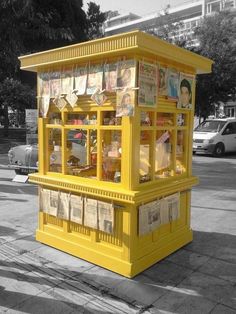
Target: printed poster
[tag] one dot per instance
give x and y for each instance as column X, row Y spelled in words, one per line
column 147, row 93
column 149, row 217
column 185, row 91
column 64, row 206
column 91, row 213
column 105, row 217
column 95, row 79
column 162, row 81
column 126, row 74
column 76, row 209
column 125, row 100
column 110, row 77
column 173, row 83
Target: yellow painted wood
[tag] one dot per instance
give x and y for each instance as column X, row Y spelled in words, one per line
column 124, row 251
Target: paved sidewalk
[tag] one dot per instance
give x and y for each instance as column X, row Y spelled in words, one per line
column 34, row 278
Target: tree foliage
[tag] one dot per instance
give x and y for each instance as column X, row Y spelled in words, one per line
column 217, row 37
column 95, row 20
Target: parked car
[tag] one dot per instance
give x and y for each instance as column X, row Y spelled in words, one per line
column 23, row 158
column 215, row 136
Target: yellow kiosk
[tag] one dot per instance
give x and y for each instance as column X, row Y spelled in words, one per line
column 115, row 148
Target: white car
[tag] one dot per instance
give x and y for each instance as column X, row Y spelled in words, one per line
column 215, row 136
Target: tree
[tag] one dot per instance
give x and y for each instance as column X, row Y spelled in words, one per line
column 95, row 20
column 15, row 95
column 217, row 37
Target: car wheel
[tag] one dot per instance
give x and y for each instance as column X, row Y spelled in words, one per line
column 219, row 150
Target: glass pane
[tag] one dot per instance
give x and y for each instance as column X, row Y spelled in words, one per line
column 111, row 156
column 109, row 118
column 54, row 147
column 165, row 119
column 146, row 118
column 163, row 154
column 181, row 119
column 81, row 152
column 180, row 152
column 85, row 118
column 145, row 156
column 54, row 118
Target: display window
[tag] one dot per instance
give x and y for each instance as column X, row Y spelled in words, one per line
column 146, row 148
column 111, row 155
column 109, row 118
column 181, row 152
column 83, row 118
column 55, row 150
column 165, row 119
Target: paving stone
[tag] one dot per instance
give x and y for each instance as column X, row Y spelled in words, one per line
column 187, row 259
column 221, row 309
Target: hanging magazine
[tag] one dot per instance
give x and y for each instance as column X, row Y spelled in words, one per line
column 44, row 196
column 149, row 217
column 53, row 203
column 60, row 102
column 44, row 84
column 173, row 205
column 67, row 83
column 105, row 217
column 110, row 77
column 99, row 97
column 91, row 213
column 185, row 91
column 126, row 74
column 147, row 93
column 164, row 212
column 80, row 80
column 125, row 100
column 162, row 81
column 76, row 209
column 63, row 206
column 43, row 103
column 55, row 84
column 95, row 79
column 173, row 83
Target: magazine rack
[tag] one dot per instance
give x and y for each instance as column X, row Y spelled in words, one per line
column 139, row 164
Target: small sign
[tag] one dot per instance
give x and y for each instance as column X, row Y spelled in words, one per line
column 20, row 178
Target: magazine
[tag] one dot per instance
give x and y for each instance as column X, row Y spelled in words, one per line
column 147, row 94
column 91, row 213
column 99, row 97
column 60, row 102
column 95, row 79
column 110, row 77
column 64, row 206
column 44, row 84
column 66, row 80
column 105, row 217
column 185, row 91
column 76, row 209
column 173, row 83
column 43, row 106
column 126, row 74
column 125, row 100
column 55, row 84
column 162, row 81
column 173, row 205
column 149, row 217
column 80, row 80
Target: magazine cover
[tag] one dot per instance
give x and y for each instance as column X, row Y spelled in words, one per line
column 162, row 81
column 67, row 83
column 110, row 77
column 125, row 100
column 44, row 84
column 173, row 83
column 185, row 91
column 55, row 84
column 95, row 79
column 63, row 206
column 147, row 93
column 80, row 80
column 76, row 209
column 105, row 217
column 43, row 103
column 126, row 74
column 149, row 217
column 60, row 102
column 53, row 203
column 99, row 97
column 91, row 213
column 173, row 205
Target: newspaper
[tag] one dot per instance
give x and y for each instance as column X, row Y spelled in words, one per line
column 149, row 217
column 44, row 196
column 147, row 93
column 173, row 205
column 105, row 217
column 64, row 206
column 53, row 203
column 76, row 208
column 164, row 212
column 91, row 213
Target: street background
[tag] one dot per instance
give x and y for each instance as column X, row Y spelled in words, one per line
column 199, row 278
